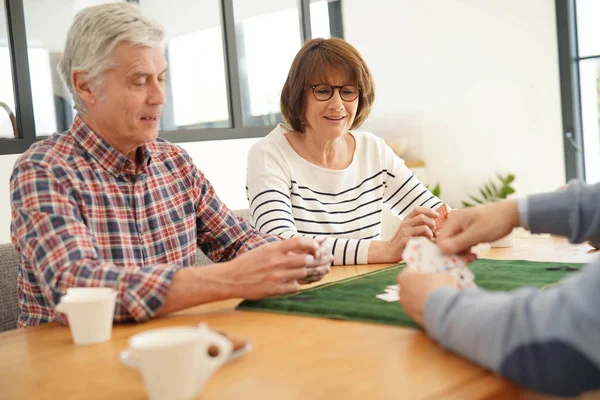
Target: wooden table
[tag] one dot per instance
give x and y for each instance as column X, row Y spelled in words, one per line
column 293, row 357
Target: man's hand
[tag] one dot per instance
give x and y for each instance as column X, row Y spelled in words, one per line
column 276, row 268
column 468, row 227
column 415, row 287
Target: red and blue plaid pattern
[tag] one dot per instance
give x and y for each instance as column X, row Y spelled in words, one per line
column 83, row 215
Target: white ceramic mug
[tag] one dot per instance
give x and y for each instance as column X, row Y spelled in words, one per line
column 90, row 312
column 174, row 362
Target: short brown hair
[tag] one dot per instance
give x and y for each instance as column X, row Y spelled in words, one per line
column 323, row 56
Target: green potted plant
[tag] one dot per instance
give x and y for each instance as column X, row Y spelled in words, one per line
column 495, row 191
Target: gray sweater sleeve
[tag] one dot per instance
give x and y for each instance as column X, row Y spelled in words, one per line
column 547, row 340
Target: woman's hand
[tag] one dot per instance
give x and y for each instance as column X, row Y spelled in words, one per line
column 419, row 222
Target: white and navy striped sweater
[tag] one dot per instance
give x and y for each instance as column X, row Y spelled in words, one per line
column 289, row 196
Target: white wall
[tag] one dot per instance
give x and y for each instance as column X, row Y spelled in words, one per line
column 473, row 84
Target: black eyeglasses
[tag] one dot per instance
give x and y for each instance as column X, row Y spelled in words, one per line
column 325, row 92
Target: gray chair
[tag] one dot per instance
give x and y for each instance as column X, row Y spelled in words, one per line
column 9, row 304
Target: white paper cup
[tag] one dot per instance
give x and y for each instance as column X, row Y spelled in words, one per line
column 174, row 362
column 90, row 312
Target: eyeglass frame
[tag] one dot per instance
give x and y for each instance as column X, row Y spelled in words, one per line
column 333, row 91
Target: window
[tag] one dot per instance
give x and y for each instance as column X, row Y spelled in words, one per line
column 228, row 60
column 265, row 55
column 319, row 19
column 52, row 103
column 8, row 127
column 16, row 114
column 196, row 82
column 579, row 57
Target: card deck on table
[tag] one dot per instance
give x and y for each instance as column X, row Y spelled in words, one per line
column 391, row 294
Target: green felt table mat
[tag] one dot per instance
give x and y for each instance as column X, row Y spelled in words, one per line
column 354, row 298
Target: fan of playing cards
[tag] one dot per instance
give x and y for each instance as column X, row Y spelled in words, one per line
column 425, row 256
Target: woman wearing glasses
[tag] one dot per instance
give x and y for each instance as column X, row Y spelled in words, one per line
column 318, row 176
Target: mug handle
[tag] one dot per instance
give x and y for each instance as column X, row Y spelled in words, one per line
column 130, row 359
column 223, row 344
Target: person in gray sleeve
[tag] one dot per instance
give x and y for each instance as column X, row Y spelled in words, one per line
column 546, row 340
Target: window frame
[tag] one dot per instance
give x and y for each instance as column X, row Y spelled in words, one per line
column 17, row 44
column 17, row 41
column 569, row 59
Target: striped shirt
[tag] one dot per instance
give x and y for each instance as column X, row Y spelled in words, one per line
column 290, row 196
column 82, row 215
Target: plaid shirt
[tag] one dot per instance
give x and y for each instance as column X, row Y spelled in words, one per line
column 83, row 216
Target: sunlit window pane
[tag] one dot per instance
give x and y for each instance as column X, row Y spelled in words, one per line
column 52, row 103
column 196, row 82
column 268, row 35
column 589, row 80
column 7, row 96
column 319, row 19
column 588, row 28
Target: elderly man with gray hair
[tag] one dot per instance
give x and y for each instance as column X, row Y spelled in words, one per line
column 110, row 204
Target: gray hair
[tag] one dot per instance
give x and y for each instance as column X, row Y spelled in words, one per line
column 95, row 33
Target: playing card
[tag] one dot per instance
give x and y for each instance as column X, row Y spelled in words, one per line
column 425, row 256
column 464, row 277
column 392, row 293
column 441, row 219
column 389, row 297
column 412, row 255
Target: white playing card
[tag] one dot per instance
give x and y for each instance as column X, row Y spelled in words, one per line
column 412, row 255
column 425, row 256
column 464, row 277
column 392, row 293
column 389, row 297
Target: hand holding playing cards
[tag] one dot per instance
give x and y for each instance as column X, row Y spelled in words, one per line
column 415, row 287
column 428, row 269
column 468, row 227
column 419, row 222
column 276, row 268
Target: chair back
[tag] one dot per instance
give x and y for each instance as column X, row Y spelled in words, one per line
column 9, row 303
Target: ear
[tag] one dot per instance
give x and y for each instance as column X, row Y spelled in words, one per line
column 83, row 87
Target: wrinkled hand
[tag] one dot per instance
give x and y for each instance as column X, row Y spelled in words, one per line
column 275, row 268
column 415, row 287
column 279, row 268
column 468, row 227
column 419, row 222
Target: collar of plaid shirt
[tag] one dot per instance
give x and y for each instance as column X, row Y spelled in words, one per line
column 108, row 157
